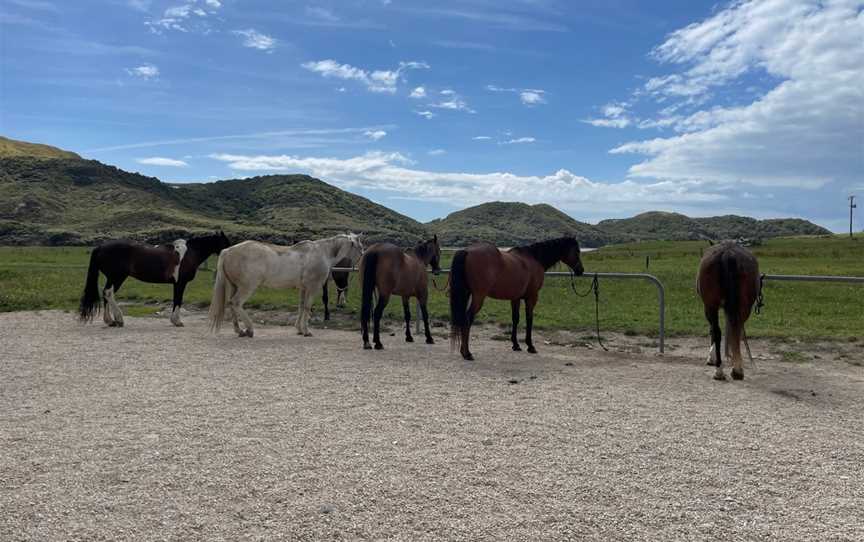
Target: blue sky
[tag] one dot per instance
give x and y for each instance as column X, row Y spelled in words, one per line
column 602, row 108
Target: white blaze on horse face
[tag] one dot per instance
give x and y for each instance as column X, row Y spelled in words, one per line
column 181, row 248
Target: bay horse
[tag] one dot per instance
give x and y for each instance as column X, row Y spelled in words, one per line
column 244, row 267
column 482, row 270
column 389, row 270
column 340, row 279
column 729, row 278
column 173, row 263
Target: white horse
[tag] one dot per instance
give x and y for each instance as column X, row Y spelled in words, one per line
column 244, row 267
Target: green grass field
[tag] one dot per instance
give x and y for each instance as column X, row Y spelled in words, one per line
column 52, row 278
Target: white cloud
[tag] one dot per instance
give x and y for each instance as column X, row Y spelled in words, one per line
column 393, row 172
column 383, row 81
column 425, row 114
column 256, row 40
column 147, row 71
column 375, row 135
column 436, row 152
column 805, row 132
column 481, row 138
column 186, row 17
column 160, row 161
column 608, row 123
column 418, row 92
column 519, row 140
column 528, row 96
column 321, row 13
column 453, row 102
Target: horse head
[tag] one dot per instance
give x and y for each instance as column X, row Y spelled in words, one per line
column 356, row 248
column 571, row 255
column 430, row 253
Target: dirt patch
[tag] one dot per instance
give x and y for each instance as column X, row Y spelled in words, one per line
column 154, row 432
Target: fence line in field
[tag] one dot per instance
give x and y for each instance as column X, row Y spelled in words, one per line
column 661, row 293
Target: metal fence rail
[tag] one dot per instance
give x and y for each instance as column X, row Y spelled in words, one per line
column 815, row 278
column 661, row 293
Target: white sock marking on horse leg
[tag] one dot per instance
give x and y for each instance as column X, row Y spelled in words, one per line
column 106, row 307
column 181, row 248
column 175, row 316
column 711, row 353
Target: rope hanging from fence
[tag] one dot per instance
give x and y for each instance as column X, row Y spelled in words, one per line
column 595, row 287
column 760, row 299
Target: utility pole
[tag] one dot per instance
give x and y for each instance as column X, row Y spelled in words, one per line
column 851, row 207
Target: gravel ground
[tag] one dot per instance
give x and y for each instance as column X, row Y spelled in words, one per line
column 155, row 433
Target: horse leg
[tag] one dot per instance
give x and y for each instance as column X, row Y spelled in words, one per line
column 376, row 325
column 530, row 303
column 514, row 307
column 301, row 313
column 307, row 311
column 473, row 309
column 733, row 340
column 111, row 299
column 241, row 294
column 425, row 312
column 106, row 305
column 179, row 288
column 713, row 316
column 406, row 308
column 325, row 298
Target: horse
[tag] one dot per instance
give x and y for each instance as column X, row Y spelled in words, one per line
column 729, row 278
column 481, row 271
column 244, row 267
column 392, row 270
column 174, row 263
column 340, row 279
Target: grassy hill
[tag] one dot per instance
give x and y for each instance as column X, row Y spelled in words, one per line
column 69, row 201
column 512, row 224
column 11, row 147
column 657, row 226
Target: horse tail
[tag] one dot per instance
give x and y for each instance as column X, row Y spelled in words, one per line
column 221, row 292
column 91, row 301
column 369, row 269
column 729, row 284
column 459, row 295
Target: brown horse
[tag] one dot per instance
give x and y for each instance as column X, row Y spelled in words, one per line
column 392, row 270
column 729, row 278
column 481, row 271
column 175, row 263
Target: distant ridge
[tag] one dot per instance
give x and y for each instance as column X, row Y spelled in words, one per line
column 54, row 197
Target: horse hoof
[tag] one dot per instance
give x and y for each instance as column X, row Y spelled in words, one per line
column 367, row 346
column 409, row 339
column 379, row 346
column 719, row 376
column 430, row 340
column 532, row 350
column 711, row 363
column 249, row 333
column 307, row 334
column 119, row 324
column 517, row 348
column 178, row 324
column 737, row 375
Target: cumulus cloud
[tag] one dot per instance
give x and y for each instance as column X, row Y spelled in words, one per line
column 383, row 81
column 418, row 92
column 146, row 71
column 452, row 101
column 256, row 40
column 375, row 135
column 805, row 132
column 160, row 161
column 394, row 172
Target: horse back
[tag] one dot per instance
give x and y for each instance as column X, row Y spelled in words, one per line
column 726, row 268
column 397, row 272
column 500, row 275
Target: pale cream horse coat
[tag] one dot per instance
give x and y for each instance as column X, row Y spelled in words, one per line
column 244, row 267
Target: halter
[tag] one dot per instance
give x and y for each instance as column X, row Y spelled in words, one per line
column 595, row 287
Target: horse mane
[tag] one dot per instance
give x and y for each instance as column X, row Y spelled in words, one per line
column 548, row 253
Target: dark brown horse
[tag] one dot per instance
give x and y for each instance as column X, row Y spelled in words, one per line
column 391, row 270
column 340, row 279
column 482, row 271
column 728, row 278
column 175, row 263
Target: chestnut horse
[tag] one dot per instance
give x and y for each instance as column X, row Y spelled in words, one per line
column 174, row 263
column 481, row 271
column 392, row 270
column 729, row 278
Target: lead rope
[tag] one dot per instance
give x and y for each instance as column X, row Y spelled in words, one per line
column 760, row 302
column 595, row 287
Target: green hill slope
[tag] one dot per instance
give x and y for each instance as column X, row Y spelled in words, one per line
column 11, row 148
column 74, row 201
column 512, row 224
